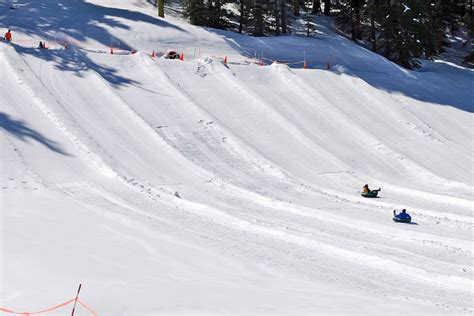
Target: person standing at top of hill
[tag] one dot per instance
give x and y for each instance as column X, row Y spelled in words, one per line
column 42, row 45
column 8, row 36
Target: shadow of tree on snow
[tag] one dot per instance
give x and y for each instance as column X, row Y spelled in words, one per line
column 20, row 130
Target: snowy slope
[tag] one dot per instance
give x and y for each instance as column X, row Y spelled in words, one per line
column 267, row 162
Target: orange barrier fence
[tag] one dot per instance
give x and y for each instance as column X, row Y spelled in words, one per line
column 51, row 309
column 257, row 60
column 87, row 308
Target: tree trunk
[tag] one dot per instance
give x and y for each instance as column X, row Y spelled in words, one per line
column 241, row 20
column 327, row 7
column 296, row 7
column 276, row 12
column 258, row 15
column 283, row 16
column 316, row 7
column 372, row 27
column 357, row 18
column 161, row 8
column 353, row 23
column 308, row 17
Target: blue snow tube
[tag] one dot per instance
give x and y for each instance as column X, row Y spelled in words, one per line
column 402, row 218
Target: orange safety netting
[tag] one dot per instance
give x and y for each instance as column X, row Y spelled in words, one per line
column 258, row 60
column 50, row 309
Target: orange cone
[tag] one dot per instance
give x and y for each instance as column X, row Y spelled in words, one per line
column 181, row 57
column 305, row 65
column 225, row 60
column 111, row 50
column 153, row 54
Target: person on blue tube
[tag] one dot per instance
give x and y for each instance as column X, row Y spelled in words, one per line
column 403, row 216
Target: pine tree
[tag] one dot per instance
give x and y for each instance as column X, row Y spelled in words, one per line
column 205, row 13
column 263, row 17
column 450, row 12
column 401, row 30
column 349, row 17
column 193, row 10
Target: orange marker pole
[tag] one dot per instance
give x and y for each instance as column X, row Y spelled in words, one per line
column 75, row 301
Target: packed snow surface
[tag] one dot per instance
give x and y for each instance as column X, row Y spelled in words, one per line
column 198, row 187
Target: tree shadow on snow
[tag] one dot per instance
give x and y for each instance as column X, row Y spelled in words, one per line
column 20, row 130
column 72, row 21
column 73, row 60
column 437, row 83
column 77, row 19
